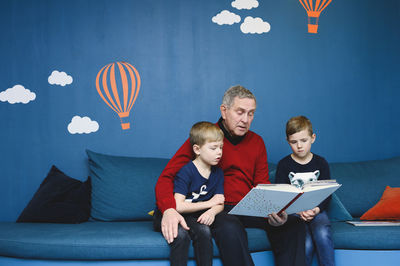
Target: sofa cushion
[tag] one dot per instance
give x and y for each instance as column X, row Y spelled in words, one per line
column 364, row 182
column 96, row 241
column 336, row 210
column 138, row 240
column 59, row 199
column 123, row 187
column 347, row 236
column 388, row 207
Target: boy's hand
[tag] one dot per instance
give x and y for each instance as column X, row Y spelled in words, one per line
column 217, row 199
column 309, row 215
column 207, row 217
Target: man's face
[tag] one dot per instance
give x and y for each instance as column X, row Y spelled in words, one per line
column 238, row 117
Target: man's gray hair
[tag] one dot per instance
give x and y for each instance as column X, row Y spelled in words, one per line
column 236, row 91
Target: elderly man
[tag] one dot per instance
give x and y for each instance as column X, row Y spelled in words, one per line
column 244, row 162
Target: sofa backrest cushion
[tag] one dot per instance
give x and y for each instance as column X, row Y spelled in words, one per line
column 123, row 187
column 364, row 182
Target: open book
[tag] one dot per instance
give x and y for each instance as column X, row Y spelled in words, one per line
column 268, row 198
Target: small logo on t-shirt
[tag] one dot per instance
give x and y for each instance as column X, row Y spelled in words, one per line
column 195, row 195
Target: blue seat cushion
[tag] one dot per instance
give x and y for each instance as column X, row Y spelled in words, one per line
column 95, row 241
column 347, row 236
column 137, row 240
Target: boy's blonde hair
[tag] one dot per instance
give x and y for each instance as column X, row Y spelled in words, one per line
column 203, row 132
column 297, row 124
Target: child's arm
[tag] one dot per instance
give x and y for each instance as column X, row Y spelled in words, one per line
column 309, row 215
column 208, row 216
column 187, row 207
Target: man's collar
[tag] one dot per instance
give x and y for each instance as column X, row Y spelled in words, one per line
column 234, row 140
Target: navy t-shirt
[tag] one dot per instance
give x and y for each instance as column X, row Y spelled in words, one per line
column 287, row 165
column 190, row 182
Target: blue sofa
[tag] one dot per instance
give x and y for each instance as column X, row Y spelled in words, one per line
column 125, row 236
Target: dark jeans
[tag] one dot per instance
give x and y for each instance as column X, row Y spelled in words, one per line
column 200, row 235
column 319, row 239
column 287, row 241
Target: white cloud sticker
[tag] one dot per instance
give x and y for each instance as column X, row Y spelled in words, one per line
column 59, row 78
column 254, row 25
column 80, row 125
column 244, row 4
column 226, row 18
column 17, row 94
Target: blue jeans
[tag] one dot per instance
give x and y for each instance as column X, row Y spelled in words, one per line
column 229, row 232
column 319, row 239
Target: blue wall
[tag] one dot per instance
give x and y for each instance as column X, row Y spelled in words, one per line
column 345, row 79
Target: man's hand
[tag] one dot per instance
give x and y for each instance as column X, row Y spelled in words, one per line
column 309, row 215
column 169, row 224
column 277, row 220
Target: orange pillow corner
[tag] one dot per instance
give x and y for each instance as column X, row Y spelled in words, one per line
column 387, row 208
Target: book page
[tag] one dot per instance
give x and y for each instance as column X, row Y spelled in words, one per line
column 312, row 198
column 318, row 186
column 279, row 187
column 261, row 202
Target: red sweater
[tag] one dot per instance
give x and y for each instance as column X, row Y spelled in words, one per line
column 244, row 165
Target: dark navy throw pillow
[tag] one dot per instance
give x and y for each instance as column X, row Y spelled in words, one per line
column 59, row 199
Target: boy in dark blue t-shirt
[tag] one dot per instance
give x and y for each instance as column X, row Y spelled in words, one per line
column 198, row 192
column 300, row 136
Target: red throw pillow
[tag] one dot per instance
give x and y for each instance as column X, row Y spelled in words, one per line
column 387, row 208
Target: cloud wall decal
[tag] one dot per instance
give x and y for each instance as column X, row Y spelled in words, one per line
column 245, row 4
column 254, row 25
column 226, row 17
column 59, row 78
column 80, row 125
column 17, row 94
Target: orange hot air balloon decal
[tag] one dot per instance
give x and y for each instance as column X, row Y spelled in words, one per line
column 118, row 85
column 313, row 12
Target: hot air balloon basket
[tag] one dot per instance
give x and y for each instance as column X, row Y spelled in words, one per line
column 312, row 28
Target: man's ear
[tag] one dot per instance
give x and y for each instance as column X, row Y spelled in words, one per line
column 223, row 109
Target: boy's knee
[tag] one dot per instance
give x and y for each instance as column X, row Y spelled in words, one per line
column 205, row 231
column 183, row 237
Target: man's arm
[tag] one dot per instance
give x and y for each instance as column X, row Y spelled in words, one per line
column 261, row 165
column 164, row 193
column 165, row 185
